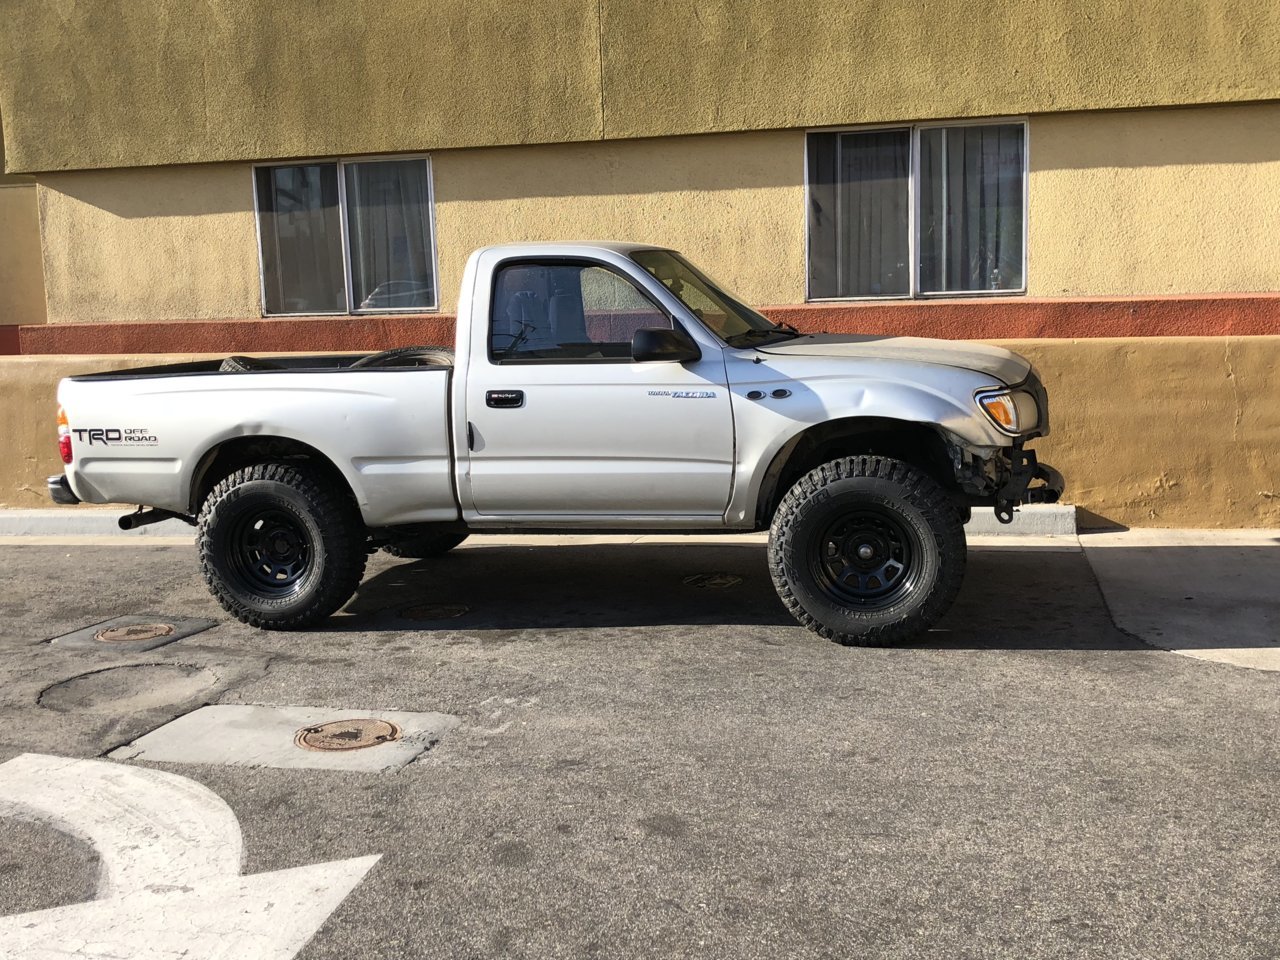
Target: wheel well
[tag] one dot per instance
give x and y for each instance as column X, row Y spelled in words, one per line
column 918, row 444
column 230, row 455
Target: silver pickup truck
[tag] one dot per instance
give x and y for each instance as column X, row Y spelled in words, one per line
column 592, row 387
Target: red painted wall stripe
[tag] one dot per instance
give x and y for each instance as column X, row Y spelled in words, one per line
column 9, row 340
column 975, row 319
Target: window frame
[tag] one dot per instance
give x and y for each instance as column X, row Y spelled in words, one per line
column 913, row 208
column 555, row 261
column 341, row 163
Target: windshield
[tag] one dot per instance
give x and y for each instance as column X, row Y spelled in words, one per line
column 734, row 323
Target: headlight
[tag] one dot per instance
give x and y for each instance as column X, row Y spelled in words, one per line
column 1013, row 411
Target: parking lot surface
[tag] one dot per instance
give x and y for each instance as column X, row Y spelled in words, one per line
column 643, row 756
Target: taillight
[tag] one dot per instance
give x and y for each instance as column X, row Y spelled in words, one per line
column 64, row 436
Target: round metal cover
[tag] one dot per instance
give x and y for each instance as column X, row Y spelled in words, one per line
column 435, row 611
column 712, row 581
column 134, row 632
column 346, row 734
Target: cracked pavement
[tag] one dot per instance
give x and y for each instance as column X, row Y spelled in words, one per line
column 645, row 767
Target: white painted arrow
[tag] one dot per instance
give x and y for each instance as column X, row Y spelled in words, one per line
column 170, row 885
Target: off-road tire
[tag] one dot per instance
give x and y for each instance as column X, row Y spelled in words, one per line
column 439, row 356
column 249, row 519
column 425, row 545
column 888, row 507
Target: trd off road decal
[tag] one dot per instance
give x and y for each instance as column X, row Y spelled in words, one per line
column 117, row 436
column 684, row 394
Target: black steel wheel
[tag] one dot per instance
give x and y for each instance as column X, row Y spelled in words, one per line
column 867, row 551
column 866, row 557
column 280, row 547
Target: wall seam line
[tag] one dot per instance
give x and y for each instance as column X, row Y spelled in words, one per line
column 600, row 60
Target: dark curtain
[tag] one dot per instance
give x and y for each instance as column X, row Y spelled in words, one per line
column 971, row 209
column 301, row 239
column 388, row 204
column 858, row 214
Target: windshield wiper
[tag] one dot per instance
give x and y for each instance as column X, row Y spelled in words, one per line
column 749, row 336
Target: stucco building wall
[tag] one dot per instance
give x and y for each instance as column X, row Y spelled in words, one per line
column 163, row 243
column 21, row 286
column 21, row 290
column 1155, row 201
column 120, row 83
column 1128, row 203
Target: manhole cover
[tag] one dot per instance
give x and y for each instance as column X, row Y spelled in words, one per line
column 712, row 581
column 134, row 632
column 435, row 611
column 346, row 734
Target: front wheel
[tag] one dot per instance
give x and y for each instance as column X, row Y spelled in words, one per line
column 279, row 547
column 867, row 551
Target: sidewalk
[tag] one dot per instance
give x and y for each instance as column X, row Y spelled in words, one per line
column 1208, row 594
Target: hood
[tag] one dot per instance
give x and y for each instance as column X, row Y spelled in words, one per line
column 995, row 362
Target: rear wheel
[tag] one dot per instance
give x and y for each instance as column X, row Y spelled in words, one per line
column 279, row 547
column 867, row 551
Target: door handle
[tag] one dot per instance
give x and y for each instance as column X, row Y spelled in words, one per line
column 504, row 398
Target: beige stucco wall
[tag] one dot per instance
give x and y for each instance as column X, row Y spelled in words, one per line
column 132, row 82
column 733, row 203
column 172, row 243
column 1165, row 432
column 21, row 283
column 1148, row 432
column 21, row 286
column 1130, row 202
column 1155, row 202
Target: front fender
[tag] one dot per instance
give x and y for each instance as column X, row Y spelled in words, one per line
column 766, row 423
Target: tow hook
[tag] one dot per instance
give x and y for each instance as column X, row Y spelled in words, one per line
column 1023, row 469
column 142, row 517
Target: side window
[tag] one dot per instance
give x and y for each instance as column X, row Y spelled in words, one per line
column 566, row 311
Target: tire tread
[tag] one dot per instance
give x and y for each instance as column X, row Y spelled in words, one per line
column 924, row 494
column 340, row 525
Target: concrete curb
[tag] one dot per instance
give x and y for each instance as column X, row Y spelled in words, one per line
column 81, row 522
column 1055, row 520
column 1037, row 520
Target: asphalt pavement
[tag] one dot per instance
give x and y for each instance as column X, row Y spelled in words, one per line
column 647, row 758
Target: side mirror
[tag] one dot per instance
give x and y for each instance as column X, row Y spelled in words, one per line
column 663, row 345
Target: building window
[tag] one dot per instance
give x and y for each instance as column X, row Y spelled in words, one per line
column 917, row 211
column 346, row 237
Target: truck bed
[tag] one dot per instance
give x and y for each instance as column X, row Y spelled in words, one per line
column 145, row 435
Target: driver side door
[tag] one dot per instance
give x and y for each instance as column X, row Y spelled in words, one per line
column 564, row 424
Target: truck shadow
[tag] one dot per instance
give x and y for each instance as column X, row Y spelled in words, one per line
column 1023, row 598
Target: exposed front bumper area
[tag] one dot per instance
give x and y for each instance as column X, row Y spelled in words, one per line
column 60, row 490
column 1024, row 470
column 1013, row 476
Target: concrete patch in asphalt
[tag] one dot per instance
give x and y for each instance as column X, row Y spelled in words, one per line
column 119, row 690
column 1209, row 594
column 134, row 633
column 288, row 738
